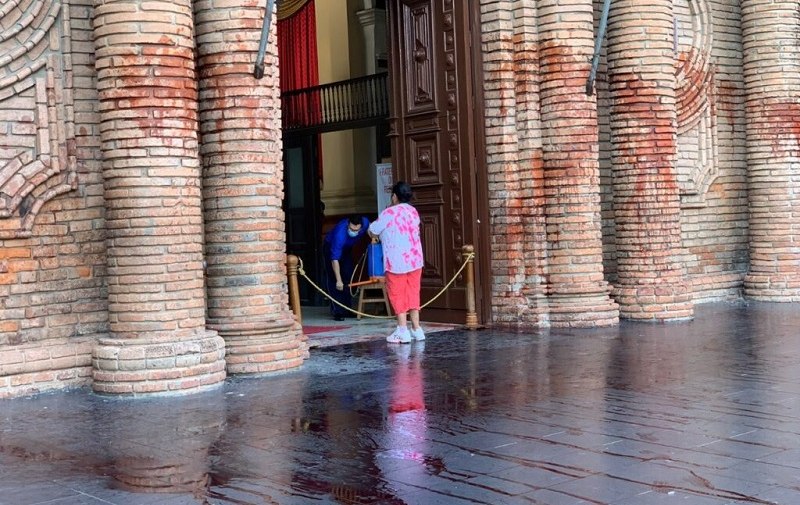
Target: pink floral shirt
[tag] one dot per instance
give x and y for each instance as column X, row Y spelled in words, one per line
column 398, row 228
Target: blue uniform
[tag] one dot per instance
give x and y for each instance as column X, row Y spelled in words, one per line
column 338, row 245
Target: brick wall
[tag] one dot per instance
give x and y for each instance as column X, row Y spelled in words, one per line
column 717, row 255
column 52, row 263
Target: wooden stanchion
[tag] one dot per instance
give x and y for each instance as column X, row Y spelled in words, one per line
column 294, row 288
column 469, row 286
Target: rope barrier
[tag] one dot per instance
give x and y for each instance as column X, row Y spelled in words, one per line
column 360, row 266
column 301, row 271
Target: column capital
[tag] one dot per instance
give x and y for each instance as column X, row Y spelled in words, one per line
column 371, row 17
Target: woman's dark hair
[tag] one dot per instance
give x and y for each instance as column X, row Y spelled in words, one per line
column 355, row 219
column 402, row 190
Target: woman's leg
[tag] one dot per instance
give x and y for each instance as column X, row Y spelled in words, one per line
column 414, row 314
column 414, row 286
column 394, row 290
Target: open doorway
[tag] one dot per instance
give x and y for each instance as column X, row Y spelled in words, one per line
column 385, row 82
column 334, row 90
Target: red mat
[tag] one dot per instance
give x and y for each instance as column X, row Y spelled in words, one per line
column 310, row 330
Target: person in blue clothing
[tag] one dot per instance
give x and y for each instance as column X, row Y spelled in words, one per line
column 338, row 252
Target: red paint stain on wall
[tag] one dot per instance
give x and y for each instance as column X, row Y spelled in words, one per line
column 729, row 96
column 778, row 124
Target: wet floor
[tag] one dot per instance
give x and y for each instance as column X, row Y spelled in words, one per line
column 698, row 413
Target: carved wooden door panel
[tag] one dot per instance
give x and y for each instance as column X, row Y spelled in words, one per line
column 433, row 136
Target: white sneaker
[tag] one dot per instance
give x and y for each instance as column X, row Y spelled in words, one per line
column 399, row 336
column 418, row 334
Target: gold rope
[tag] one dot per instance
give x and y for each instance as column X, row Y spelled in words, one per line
column 288, row 8
column 302, row 272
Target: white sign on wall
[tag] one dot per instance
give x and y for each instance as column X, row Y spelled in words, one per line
column 384, row 186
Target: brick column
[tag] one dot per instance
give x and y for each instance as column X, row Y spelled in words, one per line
column 148, row 114
column 243, row 190
column 772, row 86
column 578, row 293
column 641, row 62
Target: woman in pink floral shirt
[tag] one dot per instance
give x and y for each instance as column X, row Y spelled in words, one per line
column 398, row 229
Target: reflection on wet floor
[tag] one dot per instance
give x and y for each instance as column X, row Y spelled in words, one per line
column 705, row 412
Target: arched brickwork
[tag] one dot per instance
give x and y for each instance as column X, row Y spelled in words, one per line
column 698, row 164
column 39, row 163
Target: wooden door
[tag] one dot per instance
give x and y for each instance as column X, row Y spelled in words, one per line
column 433, row 132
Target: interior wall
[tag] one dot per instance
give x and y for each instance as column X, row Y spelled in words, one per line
column 346, row 168
column 363, row 138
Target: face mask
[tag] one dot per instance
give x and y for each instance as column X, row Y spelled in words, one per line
column 351, row 233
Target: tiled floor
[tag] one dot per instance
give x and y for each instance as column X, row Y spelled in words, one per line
column 698, row 413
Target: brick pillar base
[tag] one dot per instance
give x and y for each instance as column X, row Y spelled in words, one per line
column 772, row 287
column 260, row 348
column 138, row 366
column 667, row 302
column 583, row 311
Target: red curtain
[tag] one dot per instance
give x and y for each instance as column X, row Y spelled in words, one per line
column 297, row 49
column 299, row 68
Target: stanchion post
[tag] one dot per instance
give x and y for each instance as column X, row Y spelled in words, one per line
column 469, row 277
column 294, row 288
